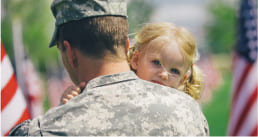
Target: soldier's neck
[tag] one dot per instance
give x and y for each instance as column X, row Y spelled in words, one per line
column 92, row 68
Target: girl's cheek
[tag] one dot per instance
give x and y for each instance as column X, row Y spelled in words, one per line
column 173, row 83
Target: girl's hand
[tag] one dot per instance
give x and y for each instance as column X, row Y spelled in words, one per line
column 72, row 92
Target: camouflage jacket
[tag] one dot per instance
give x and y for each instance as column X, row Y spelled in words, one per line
column 121, row 104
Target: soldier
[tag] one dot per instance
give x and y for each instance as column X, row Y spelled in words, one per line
column 91, row 36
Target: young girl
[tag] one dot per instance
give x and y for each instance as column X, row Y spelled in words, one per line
column 164, row 54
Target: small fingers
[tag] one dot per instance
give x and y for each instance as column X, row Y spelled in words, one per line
column 64, row 100
column 77, row 90
column 75, row 93
column 69, row 96
column 82, row 85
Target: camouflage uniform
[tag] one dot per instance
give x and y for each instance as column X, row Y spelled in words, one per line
column 121, row 104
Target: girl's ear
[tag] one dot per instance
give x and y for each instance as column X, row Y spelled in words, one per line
column 186, row 77
column 134, row 60
column 183, row 80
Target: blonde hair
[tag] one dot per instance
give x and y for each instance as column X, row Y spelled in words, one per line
column 193, row 84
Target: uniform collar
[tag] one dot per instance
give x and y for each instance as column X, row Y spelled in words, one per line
column 111, row 79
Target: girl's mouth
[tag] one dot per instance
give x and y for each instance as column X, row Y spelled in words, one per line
column 154, row 81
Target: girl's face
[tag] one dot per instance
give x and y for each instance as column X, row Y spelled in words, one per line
column 164, row 66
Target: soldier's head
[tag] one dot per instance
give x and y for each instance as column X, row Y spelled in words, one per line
column 96, row 28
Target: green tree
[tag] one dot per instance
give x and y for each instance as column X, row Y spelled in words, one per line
column 139, row 12
column 221, row 30
column 37, row 28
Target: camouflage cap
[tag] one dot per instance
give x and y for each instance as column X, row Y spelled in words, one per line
column 70, row 10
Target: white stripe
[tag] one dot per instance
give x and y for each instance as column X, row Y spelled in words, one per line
column 248, row 87
column 250, row 122
column 12, row 112
column 6, row 71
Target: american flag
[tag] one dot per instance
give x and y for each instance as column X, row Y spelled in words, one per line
column 32, row 88
column 14, row 109
column 243, row 116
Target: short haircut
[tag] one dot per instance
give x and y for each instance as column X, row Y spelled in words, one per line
column 96, row 36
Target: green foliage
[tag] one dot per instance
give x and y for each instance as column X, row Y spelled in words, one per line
column 6, row 37
column 37, row 28
column 139, row 12
column 46, row 101
column 221, row 30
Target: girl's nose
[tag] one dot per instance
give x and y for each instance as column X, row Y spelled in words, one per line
column 163, row 75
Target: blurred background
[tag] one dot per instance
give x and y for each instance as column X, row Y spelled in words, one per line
column 27, row 27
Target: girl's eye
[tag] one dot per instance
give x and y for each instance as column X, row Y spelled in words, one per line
column 156, row 62
column 174, row 71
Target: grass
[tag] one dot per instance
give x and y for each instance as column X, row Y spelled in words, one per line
column 217, row 110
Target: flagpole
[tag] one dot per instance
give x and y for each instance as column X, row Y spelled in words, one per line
column 18, row 50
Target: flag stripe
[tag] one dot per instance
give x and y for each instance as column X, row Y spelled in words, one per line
column 8, row 92
column 254, row 132
column 247, row 108
column 7, row 73
column 13, row 105
column 239, row 104
column 246, row 91
column 25, row 115
column 13, row 111
column 2, row 52
column 239, row 66
column 246, row 71
column 32, row 86
column 247, row 87
column 250, row 122
column 238, row 69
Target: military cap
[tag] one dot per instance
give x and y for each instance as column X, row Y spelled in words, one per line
column 70, row 10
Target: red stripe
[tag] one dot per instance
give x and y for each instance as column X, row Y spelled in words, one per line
column 25, row 115
column 2, row 51
column 8, row 92
column 254, row 132
column 248, row 106
column 241, row 81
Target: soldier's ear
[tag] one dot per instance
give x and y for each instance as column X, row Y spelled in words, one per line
column 134, row 60
column 127, row 44
column 71, row 54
